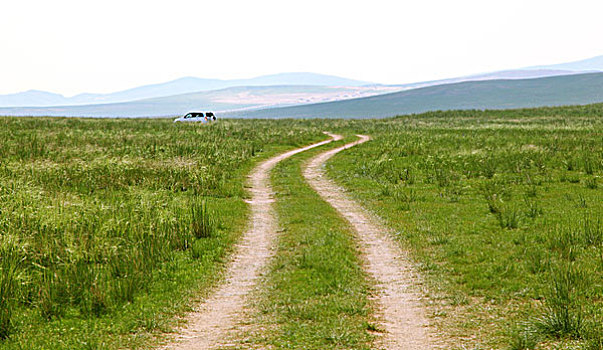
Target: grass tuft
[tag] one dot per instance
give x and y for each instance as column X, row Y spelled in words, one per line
column 203, row 223
column 9, row 276
column 564, row 314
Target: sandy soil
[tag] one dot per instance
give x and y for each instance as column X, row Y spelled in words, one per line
column 224, row 314
column 401, row 313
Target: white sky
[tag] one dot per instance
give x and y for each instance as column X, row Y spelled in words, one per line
column 78, row 46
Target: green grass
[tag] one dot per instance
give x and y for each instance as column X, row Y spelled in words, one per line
column 316, row 292
column 109, row 228
column 502, row 214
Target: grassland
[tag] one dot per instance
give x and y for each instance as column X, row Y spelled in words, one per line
column 502, row 211
column 109, row 227
column 316, row 294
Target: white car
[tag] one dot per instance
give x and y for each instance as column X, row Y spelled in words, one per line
column 206, row 117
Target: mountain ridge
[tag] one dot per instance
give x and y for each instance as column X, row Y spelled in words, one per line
column 173, row 87
column 572, row 89
column 178, row 94
column 589, row 64
column 233, row 98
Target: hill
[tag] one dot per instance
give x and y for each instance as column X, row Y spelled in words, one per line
column 497, row 75
column 590, row 64
column 235, row 98
column 491, row 94
column 39, row 98
column 35, row 98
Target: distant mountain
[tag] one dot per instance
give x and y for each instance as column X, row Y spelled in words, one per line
column 174, row 87
column 297, row 101
column 35, row 98
column 504, row 74
column 178, row 96
column 590, row 64
column 299, row 79
column 42, row 98
column 523, row 74
column 235, row 98
column 489, row 94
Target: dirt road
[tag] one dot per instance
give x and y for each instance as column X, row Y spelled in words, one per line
column 222, row 314
column 400, row 310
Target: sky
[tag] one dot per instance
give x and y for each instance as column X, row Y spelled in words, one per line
column 75, row 46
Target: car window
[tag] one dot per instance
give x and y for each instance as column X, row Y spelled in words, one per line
column 188, row 116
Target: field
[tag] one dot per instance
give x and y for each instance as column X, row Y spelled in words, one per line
column 317, row 294
column 109, row 228
column 503, row 212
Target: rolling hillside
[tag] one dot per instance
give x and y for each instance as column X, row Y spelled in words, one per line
column 503, row 74
column 589, row 64
column 235, row 98
column 349, row 102
column 34, row 98
column 491, row 94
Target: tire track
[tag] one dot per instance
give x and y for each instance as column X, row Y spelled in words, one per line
column 225, row 311
column 400, row 310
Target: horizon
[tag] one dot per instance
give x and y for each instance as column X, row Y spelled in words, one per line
column 193, row 77
column 70, row 49
column 536, row 67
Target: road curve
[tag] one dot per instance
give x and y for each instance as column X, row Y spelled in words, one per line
column 221, row 315
column 401, row 313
